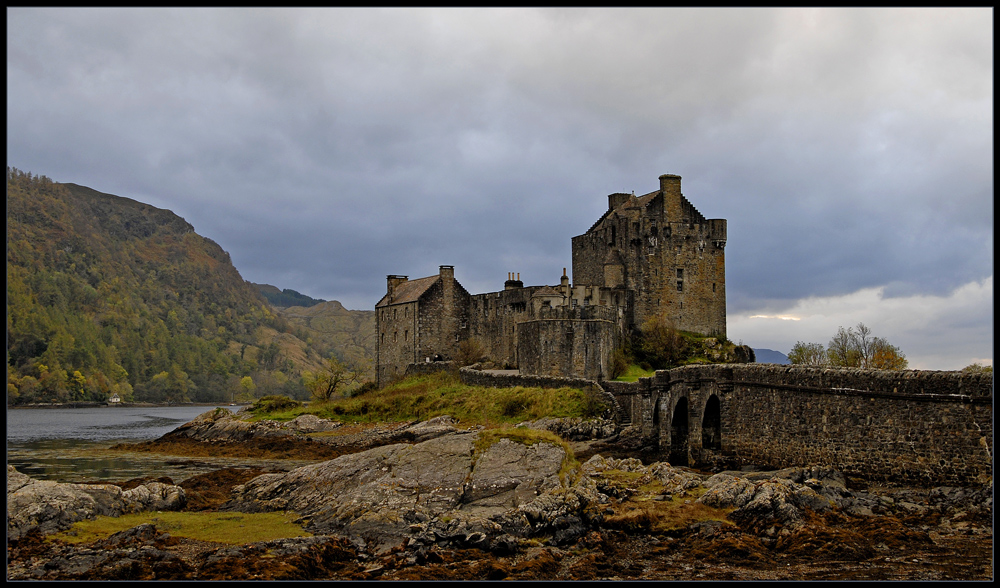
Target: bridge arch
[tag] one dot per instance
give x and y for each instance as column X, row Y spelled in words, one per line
column 679, row 433
column 711, row 424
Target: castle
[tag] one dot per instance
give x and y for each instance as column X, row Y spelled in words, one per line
column 648, row 256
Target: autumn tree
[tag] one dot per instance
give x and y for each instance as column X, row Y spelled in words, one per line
column 977, row 368
column 886, row 357
column 469, row 351
column 854, row 347
column 661, row 344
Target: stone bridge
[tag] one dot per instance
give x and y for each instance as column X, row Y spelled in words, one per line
column 920, row 427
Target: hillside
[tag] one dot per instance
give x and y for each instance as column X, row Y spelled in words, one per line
column 109, row 295
column 332, row 329
column 285, row 298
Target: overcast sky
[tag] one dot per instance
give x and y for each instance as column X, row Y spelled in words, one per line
column 851, row 150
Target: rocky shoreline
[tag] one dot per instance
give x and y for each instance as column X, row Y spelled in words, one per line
column 429, row 500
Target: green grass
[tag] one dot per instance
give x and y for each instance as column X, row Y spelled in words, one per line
column 633, row 373
column 427, row 396
column 220, row 527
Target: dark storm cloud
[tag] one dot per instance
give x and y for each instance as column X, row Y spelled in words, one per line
column 324, row 149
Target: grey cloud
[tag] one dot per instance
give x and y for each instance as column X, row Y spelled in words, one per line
column 847, row 148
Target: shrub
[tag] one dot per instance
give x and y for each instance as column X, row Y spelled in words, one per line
column 271, row 404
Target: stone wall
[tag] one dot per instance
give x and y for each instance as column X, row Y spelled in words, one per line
column 921, row 427
column 493, row 320
column 660, row 247
column 396, row 329
column 429, row 367
column 569, row 342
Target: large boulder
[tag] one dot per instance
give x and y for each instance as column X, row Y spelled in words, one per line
column 394, row 492
column 54, row 506
column 769, row 500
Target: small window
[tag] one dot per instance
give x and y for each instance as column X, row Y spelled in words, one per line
column 406, row 335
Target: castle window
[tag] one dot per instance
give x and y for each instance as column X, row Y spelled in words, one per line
column 713, row 286
column 680, row 280
column 394, row 335
column 406, row 335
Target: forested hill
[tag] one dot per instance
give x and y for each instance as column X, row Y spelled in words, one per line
column 108, row 295
column 287, row 297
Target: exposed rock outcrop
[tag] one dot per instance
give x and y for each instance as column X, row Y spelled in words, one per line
column 575, row 429
column 53, row 506
column 433, row 490
column 220, row 425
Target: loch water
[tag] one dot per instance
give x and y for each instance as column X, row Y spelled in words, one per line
column 73, row 444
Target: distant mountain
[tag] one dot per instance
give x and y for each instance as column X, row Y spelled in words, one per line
column 285, row 298
column 771, row 356
column 109, row 295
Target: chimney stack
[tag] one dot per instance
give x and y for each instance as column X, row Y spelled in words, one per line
column 617, row 199
column 670, row 185
column 392, row 281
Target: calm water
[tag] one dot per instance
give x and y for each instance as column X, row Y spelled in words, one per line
column 71, row 444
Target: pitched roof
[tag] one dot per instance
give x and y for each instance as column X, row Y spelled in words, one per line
column 409, row 291
column 639, row 202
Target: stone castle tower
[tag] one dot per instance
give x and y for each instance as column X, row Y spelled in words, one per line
column 647, row 256
column 660, row 247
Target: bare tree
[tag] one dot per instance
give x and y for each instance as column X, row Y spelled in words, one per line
column 807, row 354
column 324, row 384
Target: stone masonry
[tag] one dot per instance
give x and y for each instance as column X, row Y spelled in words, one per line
column 647, row 257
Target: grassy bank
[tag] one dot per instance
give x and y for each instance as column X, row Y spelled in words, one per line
column 232, row 528
column 427, row 396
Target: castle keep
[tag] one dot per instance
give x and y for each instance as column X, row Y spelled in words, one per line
column 648, row 256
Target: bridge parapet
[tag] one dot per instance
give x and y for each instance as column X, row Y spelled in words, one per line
column 925, row 427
